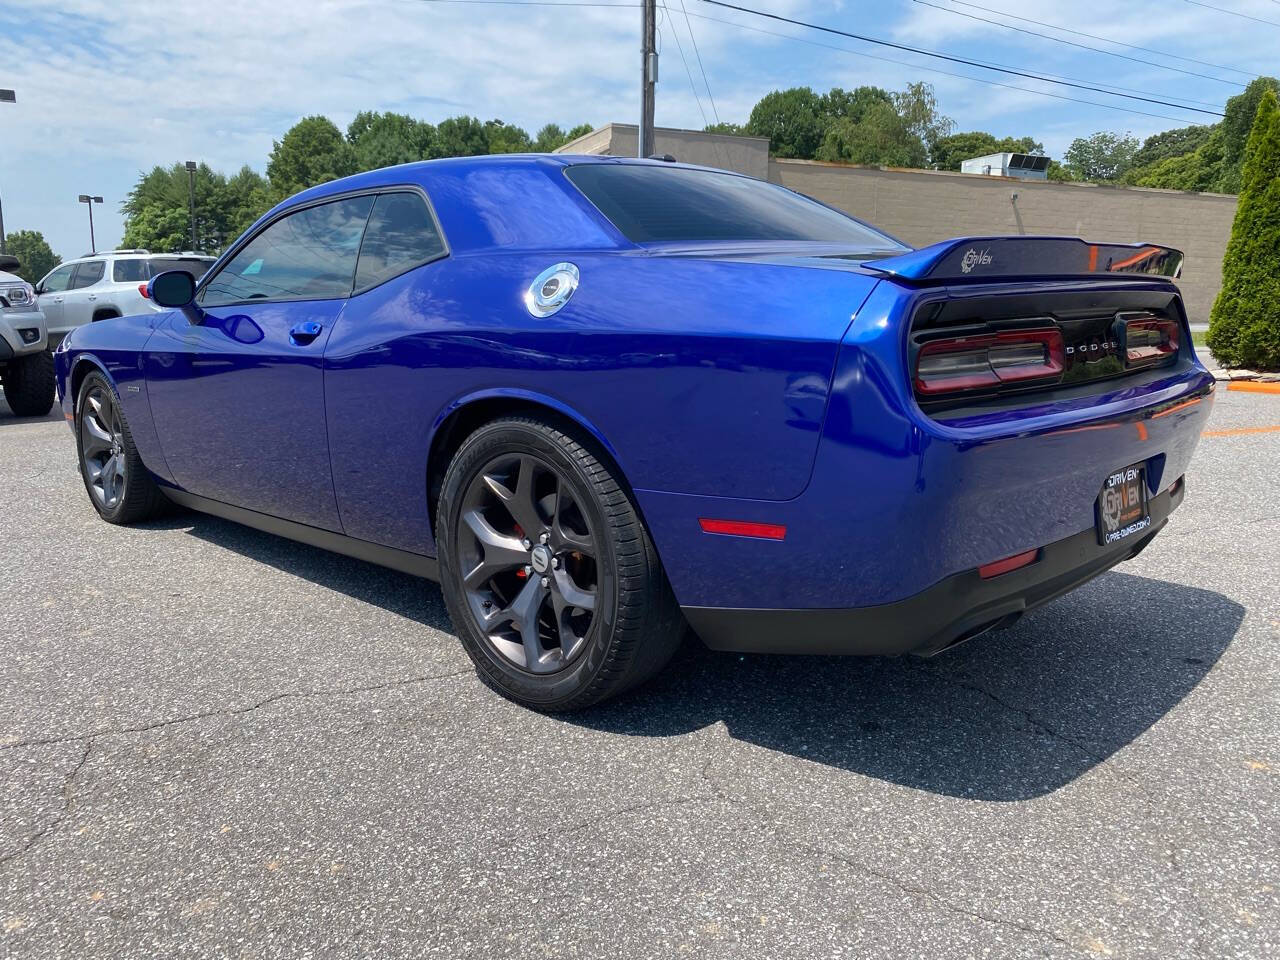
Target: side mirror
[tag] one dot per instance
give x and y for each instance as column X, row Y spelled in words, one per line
column 176, row 289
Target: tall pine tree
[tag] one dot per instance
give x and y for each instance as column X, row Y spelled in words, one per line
column 1244, row 326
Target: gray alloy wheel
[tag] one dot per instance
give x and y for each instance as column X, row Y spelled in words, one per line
column 102, row 448
column 548, row 572
column 120, row 487
column 528, row 562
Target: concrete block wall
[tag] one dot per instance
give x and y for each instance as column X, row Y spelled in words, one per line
column 924, row 206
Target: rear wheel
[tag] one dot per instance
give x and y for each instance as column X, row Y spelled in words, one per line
column 550, row 577
column 119, row 485
column 28, row 384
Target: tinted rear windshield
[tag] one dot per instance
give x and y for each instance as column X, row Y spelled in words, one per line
column 657, row 204
column 196, row 266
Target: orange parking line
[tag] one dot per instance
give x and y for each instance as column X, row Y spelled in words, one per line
column 1250, row 386
column 1241, row 431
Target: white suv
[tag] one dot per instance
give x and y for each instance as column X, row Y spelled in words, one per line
column 105, row 285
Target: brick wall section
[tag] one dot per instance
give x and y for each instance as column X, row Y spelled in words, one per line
column 922, row 206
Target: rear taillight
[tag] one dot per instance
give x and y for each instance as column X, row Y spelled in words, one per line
column 988, row 361
column 142, row 289
column 1147, row 340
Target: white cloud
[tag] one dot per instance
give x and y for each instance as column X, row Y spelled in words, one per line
column 105, row 91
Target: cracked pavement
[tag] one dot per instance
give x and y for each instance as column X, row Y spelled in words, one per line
column 217, row 743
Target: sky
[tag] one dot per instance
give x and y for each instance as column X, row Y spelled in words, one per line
column 108, row 90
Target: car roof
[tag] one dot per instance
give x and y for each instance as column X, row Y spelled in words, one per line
column 506, row 200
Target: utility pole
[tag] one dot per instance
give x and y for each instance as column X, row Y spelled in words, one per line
column 6, row 96
column 191, row 201
column 86, row 198
column 648, row 73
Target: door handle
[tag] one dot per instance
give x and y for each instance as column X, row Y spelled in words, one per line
column 57, row 299
column 303, row 333
column 93, row 296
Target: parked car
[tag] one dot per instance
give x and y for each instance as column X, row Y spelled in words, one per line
column 26, row 366
column 100, row 286
column 601, row 398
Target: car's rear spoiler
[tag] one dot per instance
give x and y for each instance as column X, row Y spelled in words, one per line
column 1003, row 258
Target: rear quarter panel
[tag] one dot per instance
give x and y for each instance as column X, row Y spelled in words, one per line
column 701, row 377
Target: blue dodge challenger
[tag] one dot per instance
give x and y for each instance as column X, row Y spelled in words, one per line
column 605, row 400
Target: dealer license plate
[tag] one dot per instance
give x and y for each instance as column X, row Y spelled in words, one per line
column 1122, row 505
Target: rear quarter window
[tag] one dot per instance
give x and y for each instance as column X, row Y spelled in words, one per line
column 401, row 234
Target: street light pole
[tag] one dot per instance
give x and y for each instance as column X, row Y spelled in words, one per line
column 90, row 200
column 191, row 201
column 6, row 96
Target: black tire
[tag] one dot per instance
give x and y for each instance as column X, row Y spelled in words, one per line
column 136, row 496
column 635, row 624
column 28, row 384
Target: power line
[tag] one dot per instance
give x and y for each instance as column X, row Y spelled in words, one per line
column 714, row 112
column 944, row 73
column 1234, row 13
column 1072, row 43
column 1118, row 43
column 689, row 73
column 953, row 59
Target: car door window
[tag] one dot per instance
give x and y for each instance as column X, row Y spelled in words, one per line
column 57, row 281
column 401, row 234
column 87, row 274
column 308, row 255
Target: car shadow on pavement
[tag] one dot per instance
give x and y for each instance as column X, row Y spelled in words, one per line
column 391, row 590
column 7, row 419
column 1010, row 716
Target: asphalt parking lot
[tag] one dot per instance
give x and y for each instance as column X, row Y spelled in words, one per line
column 216, row 743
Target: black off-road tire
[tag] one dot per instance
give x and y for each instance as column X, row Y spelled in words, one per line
column 637, row 624
column 28, row 384
column 141, row 498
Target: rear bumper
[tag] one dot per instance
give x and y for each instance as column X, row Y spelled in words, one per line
column 959, row 607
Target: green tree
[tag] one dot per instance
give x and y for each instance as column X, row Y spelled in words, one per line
column 581, row 130
column 506, row 138
column 157, row 214
column 35, row 257
column 1169, row 143
column 460, row 137
column 840, row 104
column 1104, row 156
column 550, row 138
column 247, row 197
column 1244, row 326
column 791, row 119
column 729, row 129
column 1236, row 126
column 313, row 151
column 387, row 139
column 880, row 137
column 918, row 107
